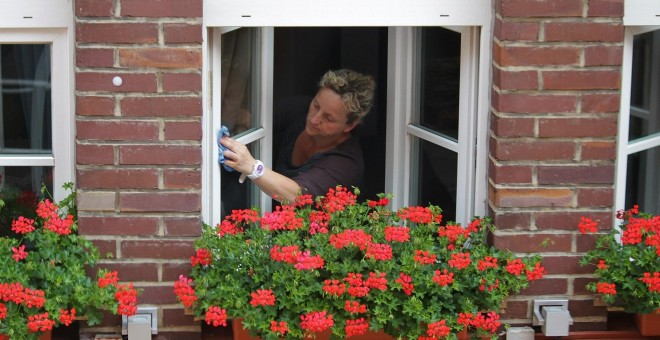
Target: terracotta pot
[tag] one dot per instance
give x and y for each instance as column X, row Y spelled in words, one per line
column 46, row 336
column 241, row 334
column 648, row 324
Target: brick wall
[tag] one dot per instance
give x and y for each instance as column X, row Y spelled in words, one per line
column 138, row 149
column 555, row 102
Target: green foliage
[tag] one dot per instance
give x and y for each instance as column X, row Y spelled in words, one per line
column 240, row 263
column 626, row 262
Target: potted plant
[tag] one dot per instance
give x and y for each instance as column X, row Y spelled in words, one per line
column 627, row 265
column 345, row 267
column 44, row 279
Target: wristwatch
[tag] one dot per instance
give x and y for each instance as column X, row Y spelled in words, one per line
column 257, row 170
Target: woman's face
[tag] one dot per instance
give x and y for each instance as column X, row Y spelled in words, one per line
column 327, row 116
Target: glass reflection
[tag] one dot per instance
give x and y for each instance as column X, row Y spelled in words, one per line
column 439, row 81
column 436, row 173
column 644, row 115
column 20, row 189
column 239, row 110
column 25, row 100
column 643, row 181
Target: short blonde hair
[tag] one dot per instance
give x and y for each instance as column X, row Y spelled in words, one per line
column 356, row 91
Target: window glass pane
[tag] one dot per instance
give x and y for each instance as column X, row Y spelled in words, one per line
column 20, row 189
column 643, row 180
column 644, row 103
column 436, row 170
column 439, row 80
column 239, row 102
column 236, row 195
column 25, row 102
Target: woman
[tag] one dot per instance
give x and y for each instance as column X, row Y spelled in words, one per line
column 320, row 153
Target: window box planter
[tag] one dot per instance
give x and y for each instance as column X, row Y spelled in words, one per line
column 648, row 324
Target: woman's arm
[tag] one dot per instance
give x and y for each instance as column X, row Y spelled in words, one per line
column 272, row 183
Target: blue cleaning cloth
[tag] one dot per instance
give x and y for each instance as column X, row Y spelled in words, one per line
column 221, row 148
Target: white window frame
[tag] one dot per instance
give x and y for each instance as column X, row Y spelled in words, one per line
column 473, row 17
column 641, row 16
column 47, row 22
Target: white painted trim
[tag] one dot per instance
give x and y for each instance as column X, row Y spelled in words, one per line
column 36, row 13
column 27, row 161
column 210, row 170
column 641, row 12
column 433, row 137
column 255, row 13
column 644, row 143
column 267, row 42
column 480, row 199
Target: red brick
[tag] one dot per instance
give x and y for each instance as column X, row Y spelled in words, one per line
column 161, row 106
column 581, row 80
column 598, row 151
column 534, row 103
column 516, row 310
column 578, row 127
column 569, row 220
column 515, row 80
column 516, row 31
column 597, row 103
column 595, row 197
column 580, row 285
column 177, row 317
column 605, row 8
column 188, row 82
column 182, row 34
column 95, row 154
column 563, row 265
column 106, row 247
column 160, row 154
column 603, row 55
column 117, row 33
column 541, row 8
column 586, row 308
column 509, row 174
column 590, row 174
column 531, row 197
column 95, row 57
column 182, row 179
column 118, row 225
column 512, row 126
column 93, row 81
column 512, row 220
column 533, row 243
column 535, row 56
column 95, row 106
column 172, row 270
column 583, row 31
column 161, row 8
column 164, row 57
column 546, row 286
column 586, row 326
column 157, row 249
column 183, row 131
column 586, row 242
column 159, row 202
column 94, row 8
column 157, row 295
column 118, row 178
column 532, row 150
column 124, row 130
column 183, row 226
column 132, row 272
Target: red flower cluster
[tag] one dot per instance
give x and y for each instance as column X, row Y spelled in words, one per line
column 46, row 208
column 606, row 288
column 601, row 265
column 483, row 286
column 487, row 262
column 202, row 257
column 379, row 251
column 334, row 287
column 653, row 282
column 316, row 321
column 184, row 291
column 126, row 296
column 287, row 254
column 228, row 228
column 356, row 286
column 3, row 311
column 406, row 283
column 397, row 234
column 59, row 225
column 356, row 327
column 418, row 215
column 66, row 316
column 262, row 297
column 587, row 225
column 16, row 293
column 33, row 298
column 216, row 316
column 460, row 260
column 355, row 237
column 355, row 307
column 452, row 232
column 438, row 329
column 318, row 222
column 283, row 218
column 305, row 261
column 303, row 200
column 443, row 278
column 231, row 225
column 424, row 257
column 515, row 267
column 22, row 225
column 107, row 279
column 487, row 321
column 39, row 323
column 380, row 203
column 337, row 200
column 19, row 253
column 376, row 281
column 535, row 273
column 280, row 327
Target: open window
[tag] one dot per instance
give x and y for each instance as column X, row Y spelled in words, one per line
column 425, row 134
column 36, row 139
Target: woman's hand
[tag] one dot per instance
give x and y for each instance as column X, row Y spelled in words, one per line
column 237, row 156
